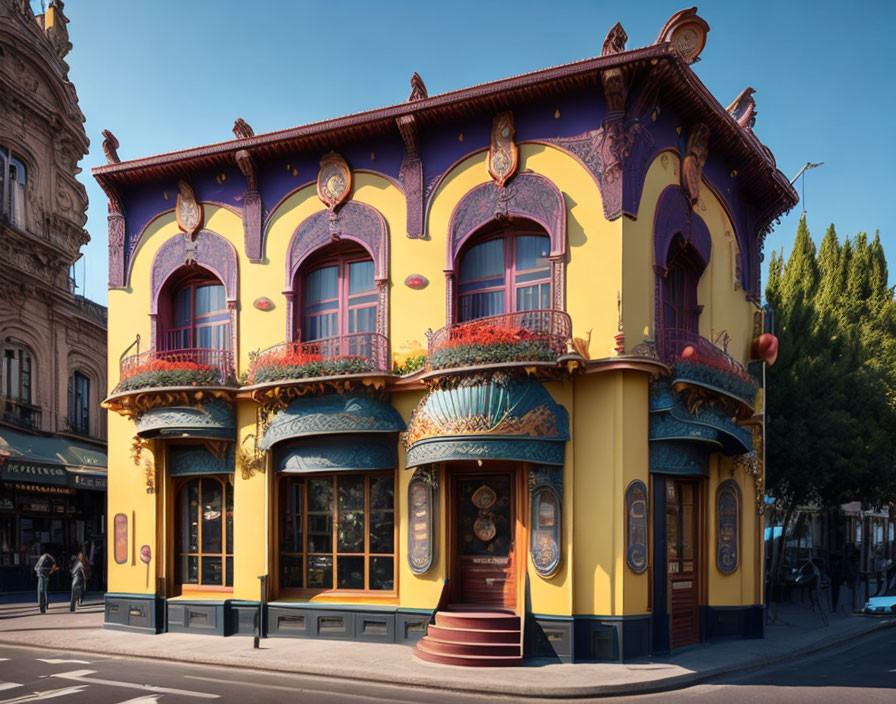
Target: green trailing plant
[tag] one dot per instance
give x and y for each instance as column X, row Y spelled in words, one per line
column 504, row 352
column 410, row 365
column 286, row 369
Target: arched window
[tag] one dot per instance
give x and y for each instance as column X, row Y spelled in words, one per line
column 684, row 266
column 12, row 188
column 337, row 295
column 204, row 533
column 505, row 273
column 79, row 403
column 17, row 373
column 16, row 387
column 197, row 315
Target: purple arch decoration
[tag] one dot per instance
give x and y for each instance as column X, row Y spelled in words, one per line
column 674, row 215
column 353, row 221
column 528, row 196
column 209, row 250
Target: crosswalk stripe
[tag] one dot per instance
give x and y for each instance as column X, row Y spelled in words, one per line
column 49, row 694
column 60, row 661
column 143, row 700
column 82, row 676
column 9, row 685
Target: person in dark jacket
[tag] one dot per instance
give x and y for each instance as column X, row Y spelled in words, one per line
column 79, row 581
column 45, row 566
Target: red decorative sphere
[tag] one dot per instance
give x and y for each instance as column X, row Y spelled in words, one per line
column 768, row 348
column 688, row 351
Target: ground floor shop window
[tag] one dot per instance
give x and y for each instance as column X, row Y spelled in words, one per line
column 204, row 551
column 337, row 532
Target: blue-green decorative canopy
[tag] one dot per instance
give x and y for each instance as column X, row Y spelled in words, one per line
column 329, row 415
column 187, row 460
column 681, row 441
column 501, row 418
column 209, row 420
column 337, row 453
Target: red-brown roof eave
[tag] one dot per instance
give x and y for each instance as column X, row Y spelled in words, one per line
column 726, row 131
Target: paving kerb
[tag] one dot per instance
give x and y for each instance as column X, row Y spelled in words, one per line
column 394, row 664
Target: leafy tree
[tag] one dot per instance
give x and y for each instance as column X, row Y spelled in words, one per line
column 831, row 405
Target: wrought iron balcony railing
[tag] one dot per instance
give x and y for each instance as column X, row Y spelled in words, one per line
column 527, row 336
column 21, row 413
column 158, row 369
column 355, row 353
column 697, row 360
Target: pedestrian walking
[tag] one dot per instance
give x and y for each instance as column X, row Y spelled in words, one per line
column 79, row 581
column 46, row 565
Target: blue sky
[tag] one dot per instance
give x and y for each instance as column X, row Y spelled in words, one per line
column 170, row 74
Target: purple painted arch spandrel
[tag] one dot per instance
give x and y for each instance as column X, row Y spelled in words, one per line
column 353, row 221
column 674, row 216
column 210, row 251
column 529, row 196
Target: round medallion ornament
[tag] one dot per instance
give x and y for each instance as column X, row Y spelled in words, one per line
column 484, row 498
column 334, row 180
column 188, row 211
column 263, row 303
column 686, row 31
column 503, row 153
column 484, row 528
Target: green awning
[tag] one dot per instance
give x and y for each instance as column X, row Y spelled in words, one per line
column 333, row 414
column 208, row 420
column 51, row 460
column 501, row 419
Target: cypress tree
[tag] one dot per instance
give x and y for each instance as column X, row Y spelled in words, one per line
column 829, row 286
column 800, row 277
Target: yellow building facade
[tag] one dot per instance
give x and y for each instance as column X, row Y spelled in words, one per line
column 480, row 372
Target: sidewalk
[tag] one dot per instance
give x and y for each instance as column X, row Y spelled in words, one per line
column 798, row 631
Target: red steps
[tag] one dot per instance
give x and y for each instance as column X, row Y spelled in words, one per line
column 472, row 639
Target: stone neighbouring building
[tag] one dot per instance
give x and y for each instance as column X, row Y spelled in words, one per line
column 52, row 342
column 570, row 465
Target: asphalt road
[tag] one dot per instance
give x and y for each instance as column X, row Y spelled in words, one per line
column 863, row 672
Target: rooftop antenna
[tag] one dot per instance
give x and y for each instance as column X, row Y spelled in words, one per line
column 802, row 172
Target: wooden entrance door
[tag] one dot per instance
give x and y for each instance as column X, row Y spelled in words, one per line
column 683, row 561
column 485, row 526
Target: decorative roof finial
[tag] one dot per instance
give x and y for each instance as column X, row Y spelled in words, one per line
column 418, row 88
column 614, row 43
column 743, row 109
column 242, row 130
column 54, row 23
column 110, row 147
column 686, row 31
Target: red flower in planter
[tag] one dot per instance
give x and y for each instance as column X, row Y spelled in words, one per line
column 488, row 334
column 164, row 365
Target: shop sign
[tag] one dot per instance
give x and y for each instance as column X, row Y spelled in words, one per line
column 86, row 481
column 37, row 488
column 546, row 501
column 34, row 472
column 636, row 526
column 728, row 526
column 421, row 504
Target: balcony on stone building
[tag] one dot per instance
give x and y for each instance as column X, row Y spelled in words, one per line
column 526, row 339
column 360, row 357
column 21, row 414
column 698, row 363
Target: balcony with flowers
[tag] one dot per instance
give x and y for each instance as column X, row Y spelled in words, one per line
column 355, row 359
column 700, row 365
column 534, row 338
column 168, row 377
